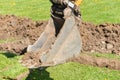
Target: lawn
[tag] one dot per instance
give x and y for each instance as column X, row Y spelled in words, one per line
column 11, row 69
column 35, row 9
column 95, row 11
column 101, row 11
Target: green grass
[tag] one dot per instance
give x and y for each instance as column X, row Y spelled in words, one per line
column 35, row 9
column 7, row 40
column 101, row 11
column 10, row 68
column 95, row 11
column 105, row 55
column 76, row 71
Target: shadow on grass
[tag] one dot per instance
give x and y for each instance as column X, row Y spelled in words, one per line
column 37, row 74
column 9, row 55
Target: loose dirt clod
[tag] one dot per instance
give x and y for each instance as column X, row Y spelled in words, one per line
column 103, row 38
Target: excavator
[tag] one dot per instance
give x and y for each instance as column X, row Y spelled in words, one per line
column 60, row 40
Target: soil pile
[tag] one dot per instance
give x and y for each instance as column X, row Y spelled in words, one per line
column 23, row 31
column 12, row 26
column 97, row 61
column 103, row 38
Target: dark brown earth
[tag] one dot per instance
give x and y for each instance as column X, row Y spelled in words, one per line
column 24, row 30
column 103, row 38
column 97, row 61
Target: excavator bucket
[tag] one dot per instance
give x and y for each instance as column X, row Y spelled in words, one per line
column 59, row 42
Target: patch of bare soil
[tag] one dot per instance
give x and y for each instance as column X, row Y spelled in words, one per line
column 24, row 30
column 103, row 38
column 97, row 61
